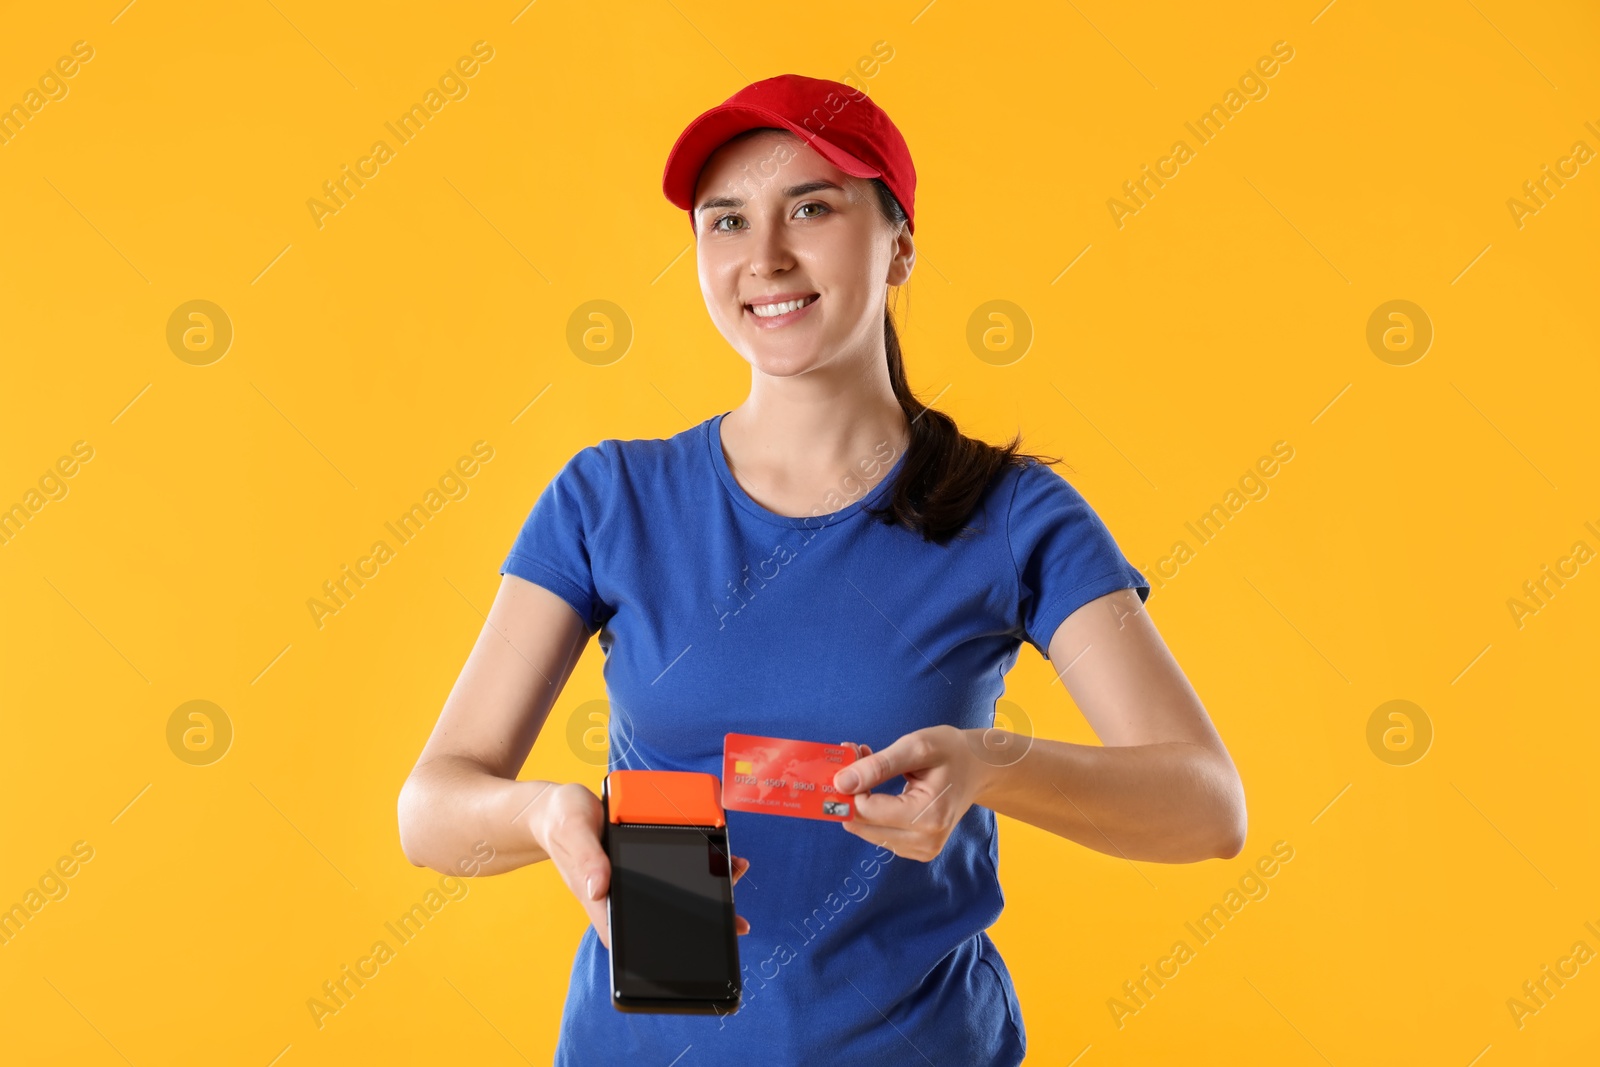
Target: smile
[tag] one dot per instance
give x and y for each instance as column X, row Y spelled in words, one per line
column 782, row 313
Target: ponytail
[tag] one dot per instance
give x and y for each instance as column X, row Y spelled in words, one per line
column 946, row 472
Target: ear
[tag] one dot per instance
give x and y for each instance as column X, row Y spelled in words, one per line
column 905, row 257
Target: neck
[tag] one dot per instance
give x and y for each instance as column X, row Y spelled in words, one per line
column 808, row 426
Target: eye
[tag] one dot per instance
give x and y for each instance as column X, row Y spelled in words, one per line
column 823, row 209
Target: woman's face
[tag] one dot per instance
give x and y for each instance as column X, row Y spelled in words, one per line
column 775, row 221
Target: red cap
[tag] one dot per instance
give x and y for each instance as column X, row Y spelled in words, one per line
column 839, row 122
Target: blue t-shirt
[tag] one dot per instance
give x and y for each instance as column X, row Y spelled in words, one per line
column 716, row 615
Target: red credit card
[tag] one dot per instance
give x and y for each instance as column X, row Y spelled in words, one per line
column 777, row 776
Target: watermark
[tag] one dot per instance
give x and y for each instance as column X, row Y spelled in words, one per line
column 452, row 85
column 599, row 332
column 826, row 111
column 1537, row 992
column 52, row 485
column 1539, row 191
column 1538, row 592
column 1252, row 485
column 1137, row 992
column 999, row 332
column 749, row 180
column 1399, row 332
column 339, row 591
column 199, row 332
column 199, row 733
column 52, row 87
column 833, row 103
column 1252, row 86
column 51, row 886
column 339, row 991
column 1399, row 732
column 589, row 733
column 588, row 727
column 851, row 487
column 868, row 66
column 852, row 890
column 1008, row 740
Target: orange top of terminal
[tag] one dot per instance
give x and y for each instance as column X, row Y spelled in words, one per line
column 683, row 798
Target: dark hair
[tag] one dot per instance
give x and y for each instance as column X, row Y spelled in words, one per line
column 946, row 472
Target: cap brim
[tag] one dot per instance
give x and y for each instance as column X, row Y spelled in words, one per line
column 702, row 137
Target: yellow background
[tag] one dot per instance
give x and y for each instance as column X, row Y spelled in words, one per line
column 369, row 354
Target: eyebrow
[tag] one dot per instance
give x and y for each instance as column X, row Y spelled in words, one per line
column 793, row 191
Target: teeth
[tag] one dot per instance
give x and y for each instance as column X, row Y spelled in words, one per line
column 767, row 311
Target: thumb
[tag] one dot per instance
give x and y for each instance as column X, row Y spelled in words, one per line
column 597, row 877
column 589, row 866
column 875, row 768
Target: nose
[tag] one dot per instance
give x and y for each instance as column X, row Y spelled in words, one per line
column 769, row 250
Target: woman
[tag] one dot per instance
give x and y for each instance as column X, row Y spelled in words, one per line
column 831, row 560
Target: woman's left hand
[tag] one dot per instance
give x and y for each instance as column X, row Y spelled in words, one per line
column 944, row 777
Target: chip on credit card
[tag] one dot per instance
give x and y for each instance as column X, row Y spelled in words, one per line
column 778, row 776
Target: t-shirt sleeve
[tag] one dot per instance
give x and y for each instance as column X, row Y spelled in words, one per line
column 1064, row 554
column 552, row 549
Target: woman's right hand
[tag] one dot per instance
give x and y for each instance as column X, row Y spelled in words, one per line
column 569, row 833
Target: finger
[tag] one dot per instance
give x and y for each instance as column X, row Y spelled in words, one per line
column 917, row 808
column 740, row 865
column 911, row 844
column 598, row 912
column 908, row 753
column 585, row 868
column 583, row 864
column 598, row 908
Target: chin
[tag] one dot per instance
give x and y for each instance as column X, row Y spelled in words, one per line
column 782, row 364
